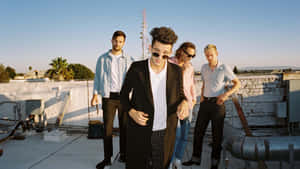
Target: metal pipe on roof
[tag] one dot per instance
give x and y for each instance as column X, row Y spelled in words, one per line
column 275, row 148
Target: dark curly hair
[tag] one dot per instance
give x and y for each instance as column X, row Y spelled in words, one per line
column 183, row 47
column 164, row 35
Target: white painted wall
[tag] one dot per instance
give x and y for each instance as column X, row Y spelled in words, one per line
column 258, row 97
column 53, row 95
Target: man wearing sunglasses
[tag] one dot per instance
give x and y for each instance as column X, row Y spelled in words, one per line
column 153, row 96
column 111, row 69
column 182, row 58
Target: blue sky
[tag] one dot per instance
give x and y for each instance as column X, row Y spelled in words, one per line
column 246, row 32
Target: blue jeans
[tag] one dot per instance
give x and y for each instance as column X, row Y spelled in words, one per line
column 181, row 139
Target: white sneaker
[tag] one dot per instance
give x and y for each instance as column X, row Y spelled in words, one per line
column 178, row 164
column 107, row 167
column 170, row 166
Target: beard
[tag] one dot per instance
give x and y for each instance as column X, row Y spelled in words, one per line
column 117, row 48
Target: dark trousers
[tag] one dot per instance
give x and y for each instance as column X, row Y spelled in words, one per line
column 156, row 160
column 209, row 110
column 109, row 106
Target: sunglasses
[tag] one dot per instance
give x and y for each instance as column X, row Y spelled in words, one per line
column 157, row 55
column 190, row 56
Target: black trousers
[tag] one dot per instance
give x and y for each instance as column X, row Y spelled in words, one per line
column 209, row 110
column 109, row 106
column 156, row 160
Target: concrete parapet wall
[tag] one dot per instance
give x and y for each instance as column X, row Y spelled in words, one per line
column 53, row 94
column 258, row 97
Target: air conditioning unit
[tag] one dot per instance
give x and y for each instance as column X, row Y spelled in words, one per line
column 34, row 111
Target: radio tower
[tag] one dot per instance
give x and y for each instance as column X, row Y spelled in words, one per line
column 144, row 36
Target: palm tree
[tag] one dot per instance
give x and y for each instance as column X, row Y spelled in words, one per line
column 60, row 69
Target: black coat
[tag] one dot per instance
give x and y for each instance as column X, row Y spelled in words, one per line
column 137, row 82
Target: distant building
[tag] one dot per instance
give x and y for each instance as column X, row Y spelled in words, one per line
column 36, row 74
column 19, row 77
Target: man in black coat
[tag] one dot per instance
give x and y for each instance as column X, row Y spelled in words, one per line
column 152, row 94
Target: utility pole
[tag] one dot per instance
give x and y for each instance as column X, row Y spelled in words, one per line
column 144, row 37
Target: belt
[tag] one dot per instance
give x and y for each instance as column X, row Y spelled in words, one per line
column 114, row 95
column 159, row 132
column 211, row 99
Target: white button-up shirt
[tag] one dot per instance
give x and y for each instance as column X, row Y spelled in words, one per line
column 158, row 87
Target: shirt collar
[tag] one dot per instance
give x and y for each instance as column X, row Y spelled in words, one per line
column 173, row 60
column 218, row 67
column 115, row 56
column 219, row 64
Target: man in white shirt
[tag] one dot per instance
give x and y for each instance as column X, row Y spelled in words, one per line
column 153, row 96
column 111, row 69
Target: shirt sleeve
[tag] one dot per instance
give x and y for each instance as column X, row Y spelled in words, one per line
column 229, row 75
column 97, row 77
column 193, row 89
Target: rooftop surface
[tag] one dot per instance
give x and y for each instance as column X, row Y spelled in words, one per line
column 78, row 152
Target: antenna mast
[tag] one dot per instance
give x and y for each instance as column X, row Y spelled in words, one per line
column 144, row 36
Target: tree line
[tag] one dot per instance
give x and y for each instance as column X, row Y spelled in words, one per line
column 60, row 70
